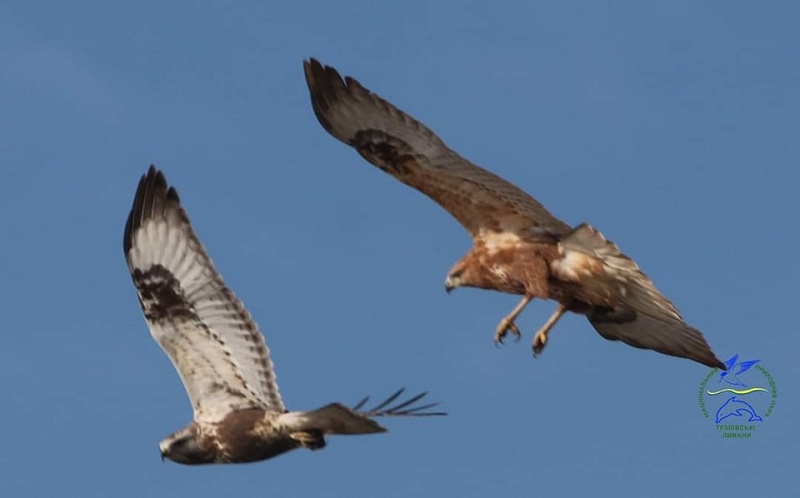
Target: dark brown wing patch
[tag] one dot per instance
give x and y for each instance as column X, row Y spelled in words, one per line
column 160, row 295
column 388, row 153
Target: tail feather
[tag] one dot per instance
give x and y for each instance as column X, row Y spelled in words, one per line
column 336, row 418
column 663, row 334
column 628, row 306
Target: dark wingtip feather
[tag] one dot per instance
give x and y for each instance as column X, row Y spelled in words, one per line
column 360, row 404
column 401, row 409
column 320, row 90
column 326, row 88
column 388, row 400
column 132, row 222
column 413, row 411
column 410, row 401
column 151, row 200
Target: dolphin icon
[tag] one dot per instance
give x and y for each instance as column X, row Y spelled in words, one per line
column 736, row 407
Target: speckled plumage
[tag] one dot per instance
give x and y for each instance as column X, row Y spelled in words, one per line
column 217, row 349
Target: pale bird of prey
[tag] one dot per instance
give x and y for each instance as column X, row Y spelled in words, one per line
column 217, row 349
column 519, row 247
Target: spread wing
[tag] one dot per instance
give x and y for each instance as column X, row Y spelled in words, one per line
column 629, row 308
column 732, row 361
column 395, row 142
column 744, row 366
column 205, row 330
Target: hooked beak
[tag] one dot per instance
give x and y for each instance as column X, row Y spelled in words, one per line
column 448, row 286
column 162, row 455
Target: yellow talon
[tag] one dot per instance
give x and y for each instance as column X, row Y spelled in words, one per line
column 503, row 330
column 539, row 342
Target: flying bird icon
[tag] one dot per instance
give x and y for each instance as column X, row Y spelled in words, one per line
column 734, row 369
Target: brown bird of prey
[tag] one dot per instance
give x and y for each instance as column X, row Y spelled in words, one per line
column 217, row 349
column 519, row 247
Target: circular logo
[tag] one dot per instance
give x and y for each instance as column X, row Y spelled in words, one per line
column 738, row 399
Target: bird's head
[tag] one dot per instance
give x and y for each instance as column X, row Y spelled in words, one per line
column 458, row 276
column 184, row 447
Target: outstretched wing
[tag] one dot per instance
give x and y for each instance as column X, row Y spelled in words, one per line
column 205, row 330
column 732, row 361
column 629, row 308
column 395, row 142
column 744, row 366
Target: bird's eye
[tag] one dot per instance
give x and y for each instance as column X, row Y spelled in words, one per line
column 179, row 443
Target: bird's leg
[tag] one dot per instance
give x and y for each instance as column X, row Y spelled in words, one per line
column 507, row 324
column 313, row 439
column 540, row 339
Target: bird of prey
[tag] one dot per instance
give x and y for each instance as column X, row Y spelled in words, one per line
column 217, row 349
column 519, row 247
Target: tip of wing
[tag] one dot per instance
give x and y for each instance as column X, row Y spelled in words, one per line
column 326, row 87
column 153, row 197
column 346, row 109
column 405, row 408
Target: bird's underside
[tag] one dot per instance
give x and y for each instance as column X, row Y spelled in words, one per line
column 256, row 434
column 217, row 348
column 588, row 275
column 519, row 247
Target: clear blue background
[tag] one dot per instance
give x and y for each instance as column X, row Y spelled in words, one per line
column 671, row 126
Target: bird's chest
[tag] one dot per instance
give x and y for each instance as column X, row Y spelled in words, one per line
column 518, row 272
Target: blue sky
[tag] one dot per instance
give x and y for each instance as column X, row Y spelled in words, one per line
column 671, row 126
